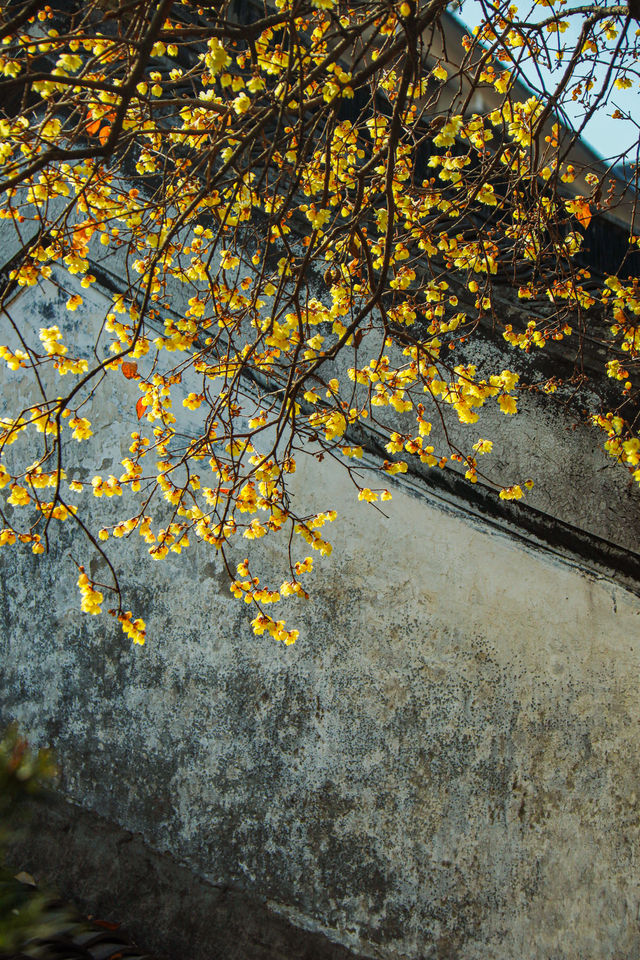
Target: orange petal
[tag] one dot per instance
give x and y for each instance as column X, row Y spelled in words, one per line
column 583, row 214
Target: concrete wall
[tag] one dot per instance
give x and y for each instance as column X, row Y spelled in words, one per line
column 446, row 764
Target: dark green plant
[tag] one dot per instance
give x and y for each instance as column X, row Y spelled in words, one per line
column 34, row 923
column 26, row 914
column 23, row 773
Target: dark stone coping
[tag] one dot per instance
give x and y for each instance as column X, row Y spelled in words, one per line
column 161, row 904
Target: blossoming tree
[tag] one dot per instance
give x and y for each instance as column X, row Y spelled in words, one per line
column 338, row 191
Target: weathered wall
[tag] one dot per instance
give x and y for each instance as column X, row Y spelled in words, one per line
column 445, row 765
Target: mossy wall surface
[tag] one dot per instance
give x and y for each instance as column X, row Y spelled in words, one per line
column 447, row 762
